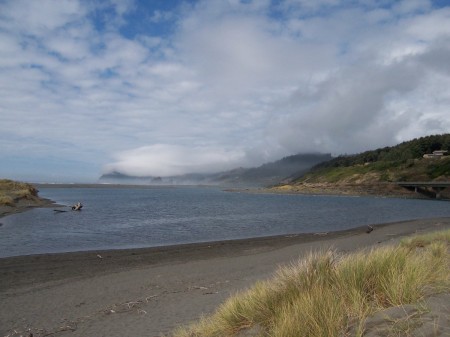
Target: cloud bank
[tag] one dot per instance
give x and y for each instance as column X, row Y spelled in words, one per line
column 210, row 85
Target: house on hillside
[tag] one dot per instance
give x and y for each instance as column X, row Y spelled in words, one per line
column 438, row 154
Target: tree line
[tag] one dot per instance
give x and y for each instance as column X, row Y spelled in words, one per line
column 402, row 152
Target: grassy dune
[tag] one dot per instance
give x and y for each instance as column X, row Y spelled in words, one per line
column 12, row 191
column 328, row 294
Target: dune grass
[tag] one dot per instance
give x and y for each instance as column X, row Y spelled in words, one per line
column 12, row 191
column 327, row 294
column 6, row 200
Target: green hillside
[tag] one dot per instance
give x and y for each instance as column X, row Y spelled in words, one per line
column 376, row 171
column 403, row 162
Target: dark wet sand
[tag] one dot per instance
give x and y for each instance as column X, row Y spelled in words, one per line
column 25, row 204
column 147, row 292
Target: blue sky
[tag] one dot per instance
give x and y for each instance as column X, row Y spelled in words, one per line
column 171, row 87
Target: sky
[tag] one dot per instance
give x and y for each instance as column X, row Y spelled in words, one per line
column 161, row 88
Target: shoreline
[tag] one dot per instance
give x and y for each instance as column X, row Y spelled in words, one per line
column 183, row 252
column 111, row 260
column 382, row 190
column 150, row 291
column 24, row 205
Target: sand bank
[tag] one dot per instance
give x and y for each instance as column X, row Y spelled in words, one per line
column 147, row 292
column 26, row 204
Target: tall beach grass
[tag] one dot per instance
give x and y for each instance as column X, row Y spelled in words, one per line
column 328, row 294
column 13, row 191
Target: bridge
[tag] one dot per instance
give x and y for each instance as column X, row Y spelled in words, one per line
column 424, row 187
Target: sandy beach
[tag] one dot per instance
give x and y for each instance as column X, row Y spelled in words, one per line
column 149, row 292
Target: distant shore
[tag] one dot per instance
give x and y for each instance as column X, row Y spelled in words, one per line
column 388, row 190
column 380, row 190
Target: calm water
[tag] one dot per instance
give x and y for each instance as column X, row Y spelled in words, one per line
column 142, row 217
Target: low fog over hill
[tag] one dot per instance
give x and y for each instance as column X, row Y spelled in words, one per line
column 288, row 168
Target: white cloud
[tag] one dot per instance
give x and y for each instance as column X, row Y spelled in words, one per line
column 38, row 18
column 123, row 6
column 235, row 84
column 159, row 16
column 411, row 6
column 349, row 110
column 169, row 160
column 308, row 6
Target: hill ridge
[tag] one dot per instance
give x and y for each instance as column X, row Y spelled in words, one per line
column 377, row 171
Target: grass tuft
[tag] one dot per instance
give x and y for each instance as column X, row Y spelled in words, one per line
column 6, row 201
column 13, row 191
column 426, row 239
column 328, row 294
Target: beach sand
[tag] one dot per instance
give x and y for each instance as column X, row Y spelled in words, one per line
column 149, row 292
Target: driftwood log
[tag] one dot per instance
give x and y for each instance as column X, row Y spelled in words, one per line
column 77, row 206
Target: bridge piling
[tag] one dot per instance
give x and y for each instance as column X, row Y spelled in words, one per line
column 438, row 191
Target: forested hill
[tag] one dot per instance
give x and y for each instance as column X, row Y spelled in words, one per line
column 376, row 171
column 413, row 149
